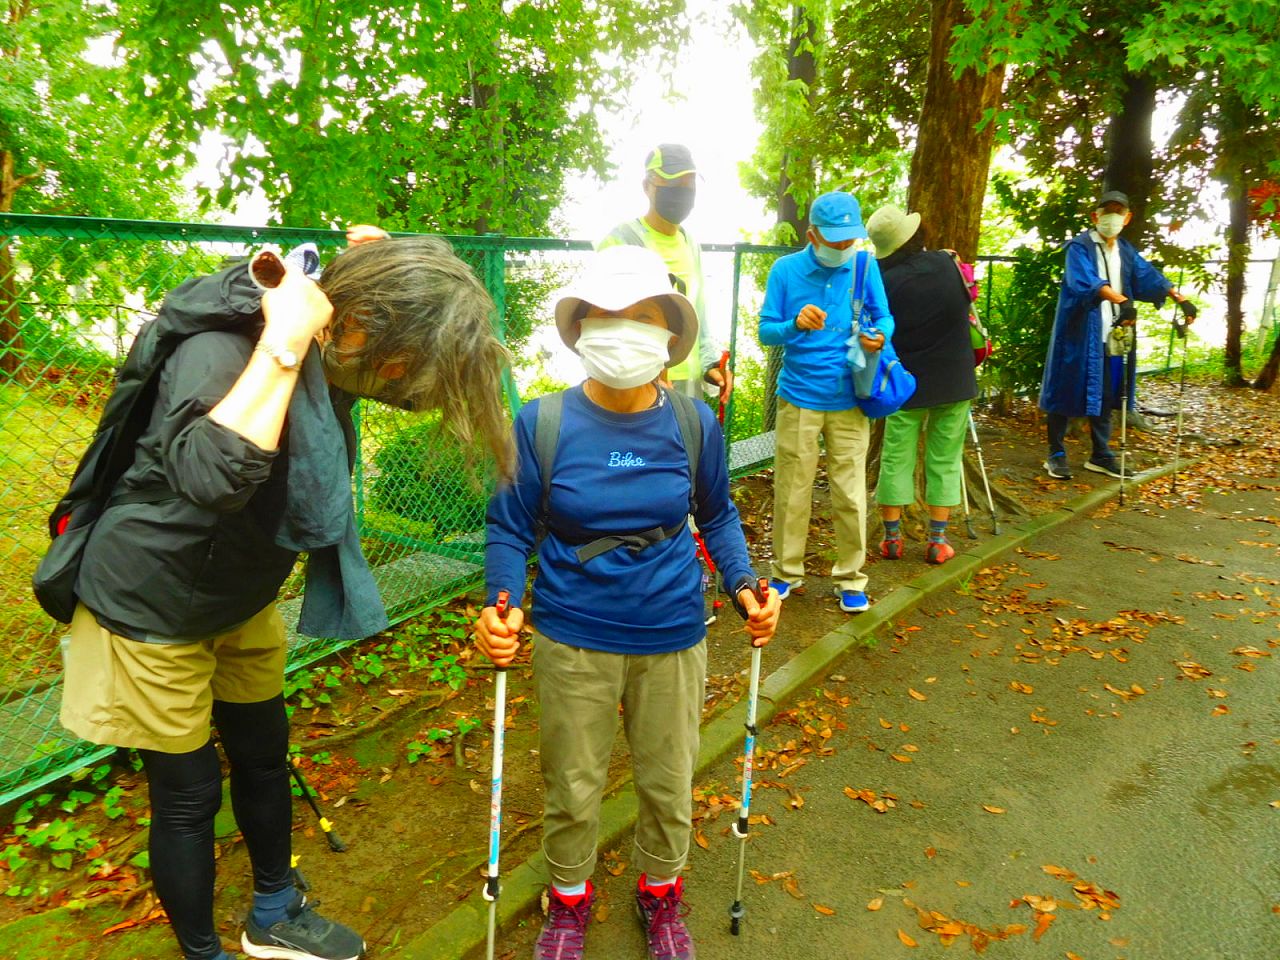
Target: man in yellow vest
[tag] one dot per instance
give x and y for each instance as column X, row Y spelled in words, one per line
column 670, row 185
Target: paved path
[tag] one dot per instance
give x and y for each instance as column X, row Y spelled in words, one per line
column 1054, row 741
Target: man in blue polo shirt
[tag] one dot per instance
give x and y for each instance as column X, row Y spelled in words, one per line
column 807, row 311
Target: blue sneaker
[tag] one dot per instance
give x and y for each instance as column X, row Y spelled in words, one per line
column 784, row 586
column 853, row 601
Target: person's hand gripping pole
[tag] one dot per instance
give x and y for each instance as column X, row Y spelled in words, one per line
column 760, row 609
column 498, row 637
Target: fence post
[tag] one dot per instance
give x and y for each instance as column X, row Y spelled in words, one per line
column 733, row 345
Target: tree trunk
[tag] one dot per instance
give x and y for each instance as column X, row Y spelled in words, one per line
column 1237, row 253
column 12, row 349
column 1129, row 147
column 802, row 66
column 950, row 203
column 1267, row 376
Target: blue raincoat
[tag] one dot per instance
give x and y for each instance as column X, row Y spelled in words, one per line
column 1073, row 369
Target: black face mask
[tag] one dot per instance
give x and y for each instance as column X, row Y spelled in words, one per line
column 673, row 203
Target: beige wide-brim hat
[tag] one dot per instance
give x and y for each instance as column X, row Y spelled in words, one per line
column 617, row 277
column 890, row 227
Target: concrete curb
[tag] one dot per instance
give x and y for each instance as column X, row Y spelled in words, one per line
column 463, row 933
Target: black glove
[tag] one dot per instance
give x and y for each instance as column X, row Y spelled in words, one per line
column 1126, row 312
column 1188, row 309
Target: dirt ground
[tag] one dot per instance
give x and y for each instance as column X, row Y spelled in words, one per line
column 413, row 810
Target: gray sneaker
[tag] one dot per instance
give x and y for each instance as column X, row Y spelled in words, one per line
column 663, row 921
column 1110, row 466
column 302, row 935
column 1056, row 467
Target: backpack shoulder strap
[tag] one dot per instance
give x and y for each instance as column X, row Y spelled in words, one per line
column 629, row 233
column 690, row 425
column 546, row 438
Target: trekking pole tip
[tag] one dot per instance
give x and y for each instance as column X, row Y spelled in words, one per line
column 736, row 913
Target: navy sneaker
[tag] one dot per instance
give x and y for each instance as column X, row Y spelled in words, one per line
column 663, row 921
column 1110, row 466
column 784, row 586
column 853, row 601
column 302, row 935
column 1056, row 467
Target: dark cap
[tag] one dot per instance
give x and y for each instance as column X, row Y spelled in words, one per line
column 1112, row 196
column 669, row 161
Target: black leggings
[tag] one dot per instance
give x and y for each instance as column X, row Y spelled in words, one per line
column 186, row 792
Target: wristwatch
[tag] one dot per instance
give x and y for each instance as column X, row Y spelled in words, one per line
column 283, row 356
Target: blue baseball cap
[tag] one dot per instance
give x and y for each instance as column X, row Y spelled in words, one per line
column 837, row 217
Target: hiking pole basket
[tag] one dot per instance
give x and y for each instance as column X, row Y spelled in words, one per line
column 490, row 892
column 741, row 829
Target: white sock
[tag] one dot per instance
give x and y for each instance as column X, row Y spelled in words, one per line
column 576, row 890
column 655, row 882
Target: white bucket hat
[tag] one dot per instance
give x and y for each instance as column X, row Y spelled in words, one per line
column 890, row 227
column 617, row 277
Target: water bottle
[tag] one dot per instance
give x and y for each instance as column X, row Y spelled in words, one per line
column 864, row 362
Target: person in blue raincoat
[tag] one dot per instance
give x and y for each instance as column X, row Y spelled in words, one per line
column 1104, row 276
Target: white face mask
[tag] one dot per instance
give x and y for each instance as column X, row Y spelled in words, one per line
column 830, row 256
column 1110, row 224
column 623, row 353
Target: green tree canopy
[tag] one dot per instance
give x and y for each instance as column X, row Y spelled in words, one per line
column 416, row 114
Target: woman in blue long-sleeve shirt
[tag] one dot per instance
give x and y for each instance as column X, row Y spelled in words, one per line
column 617, row 622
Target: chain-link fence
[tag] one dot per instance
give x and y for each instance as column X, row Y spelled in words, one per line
column 74, row 291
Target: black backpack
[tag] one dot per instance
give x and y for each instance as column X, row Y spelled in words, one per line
column 225, row 300
column 546, row 440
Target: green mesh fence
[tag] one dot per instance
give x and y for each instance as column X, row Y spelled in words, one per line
column 74, row 291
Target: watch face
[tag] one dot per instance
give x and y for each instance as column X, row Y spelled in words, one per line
column 288, row 359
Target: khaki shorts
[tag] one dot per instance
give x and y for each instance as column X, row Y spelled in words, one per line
column 159, row 696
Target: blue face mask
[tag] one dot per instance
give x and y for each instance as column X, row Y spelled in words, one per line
column 830, row 256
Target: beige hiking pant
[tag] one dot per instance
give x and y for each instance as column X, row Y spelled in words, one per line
column 579, row 691
column 847, row 434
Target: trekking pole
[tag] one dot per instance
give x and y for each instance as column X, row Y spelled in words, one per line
column 711, row 575
column 991, row 503
column 335, row 841
column 741, row 828
column 964, row 501
column 1181, row 330
column 1124, row 422
column 490, row 892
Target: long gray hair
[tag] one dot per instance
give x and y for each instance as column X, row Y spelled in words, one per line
column 422, row 306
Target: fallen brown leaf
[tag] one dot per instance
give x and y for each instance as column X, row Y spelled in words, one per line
column 824, row 910
column 876, row 904
column 906, row 940
column 990, row 809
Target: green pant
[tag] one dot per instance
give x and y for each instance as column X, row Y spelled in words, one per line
column 944, row 429
column 579, row 692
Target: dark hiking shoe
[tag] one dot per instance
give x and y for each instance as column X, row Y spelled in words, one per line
column 891, row 548
column 663, row 921
column 1056, row 467
column 565, row 927
column 302, row 935
column 1110, row 466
